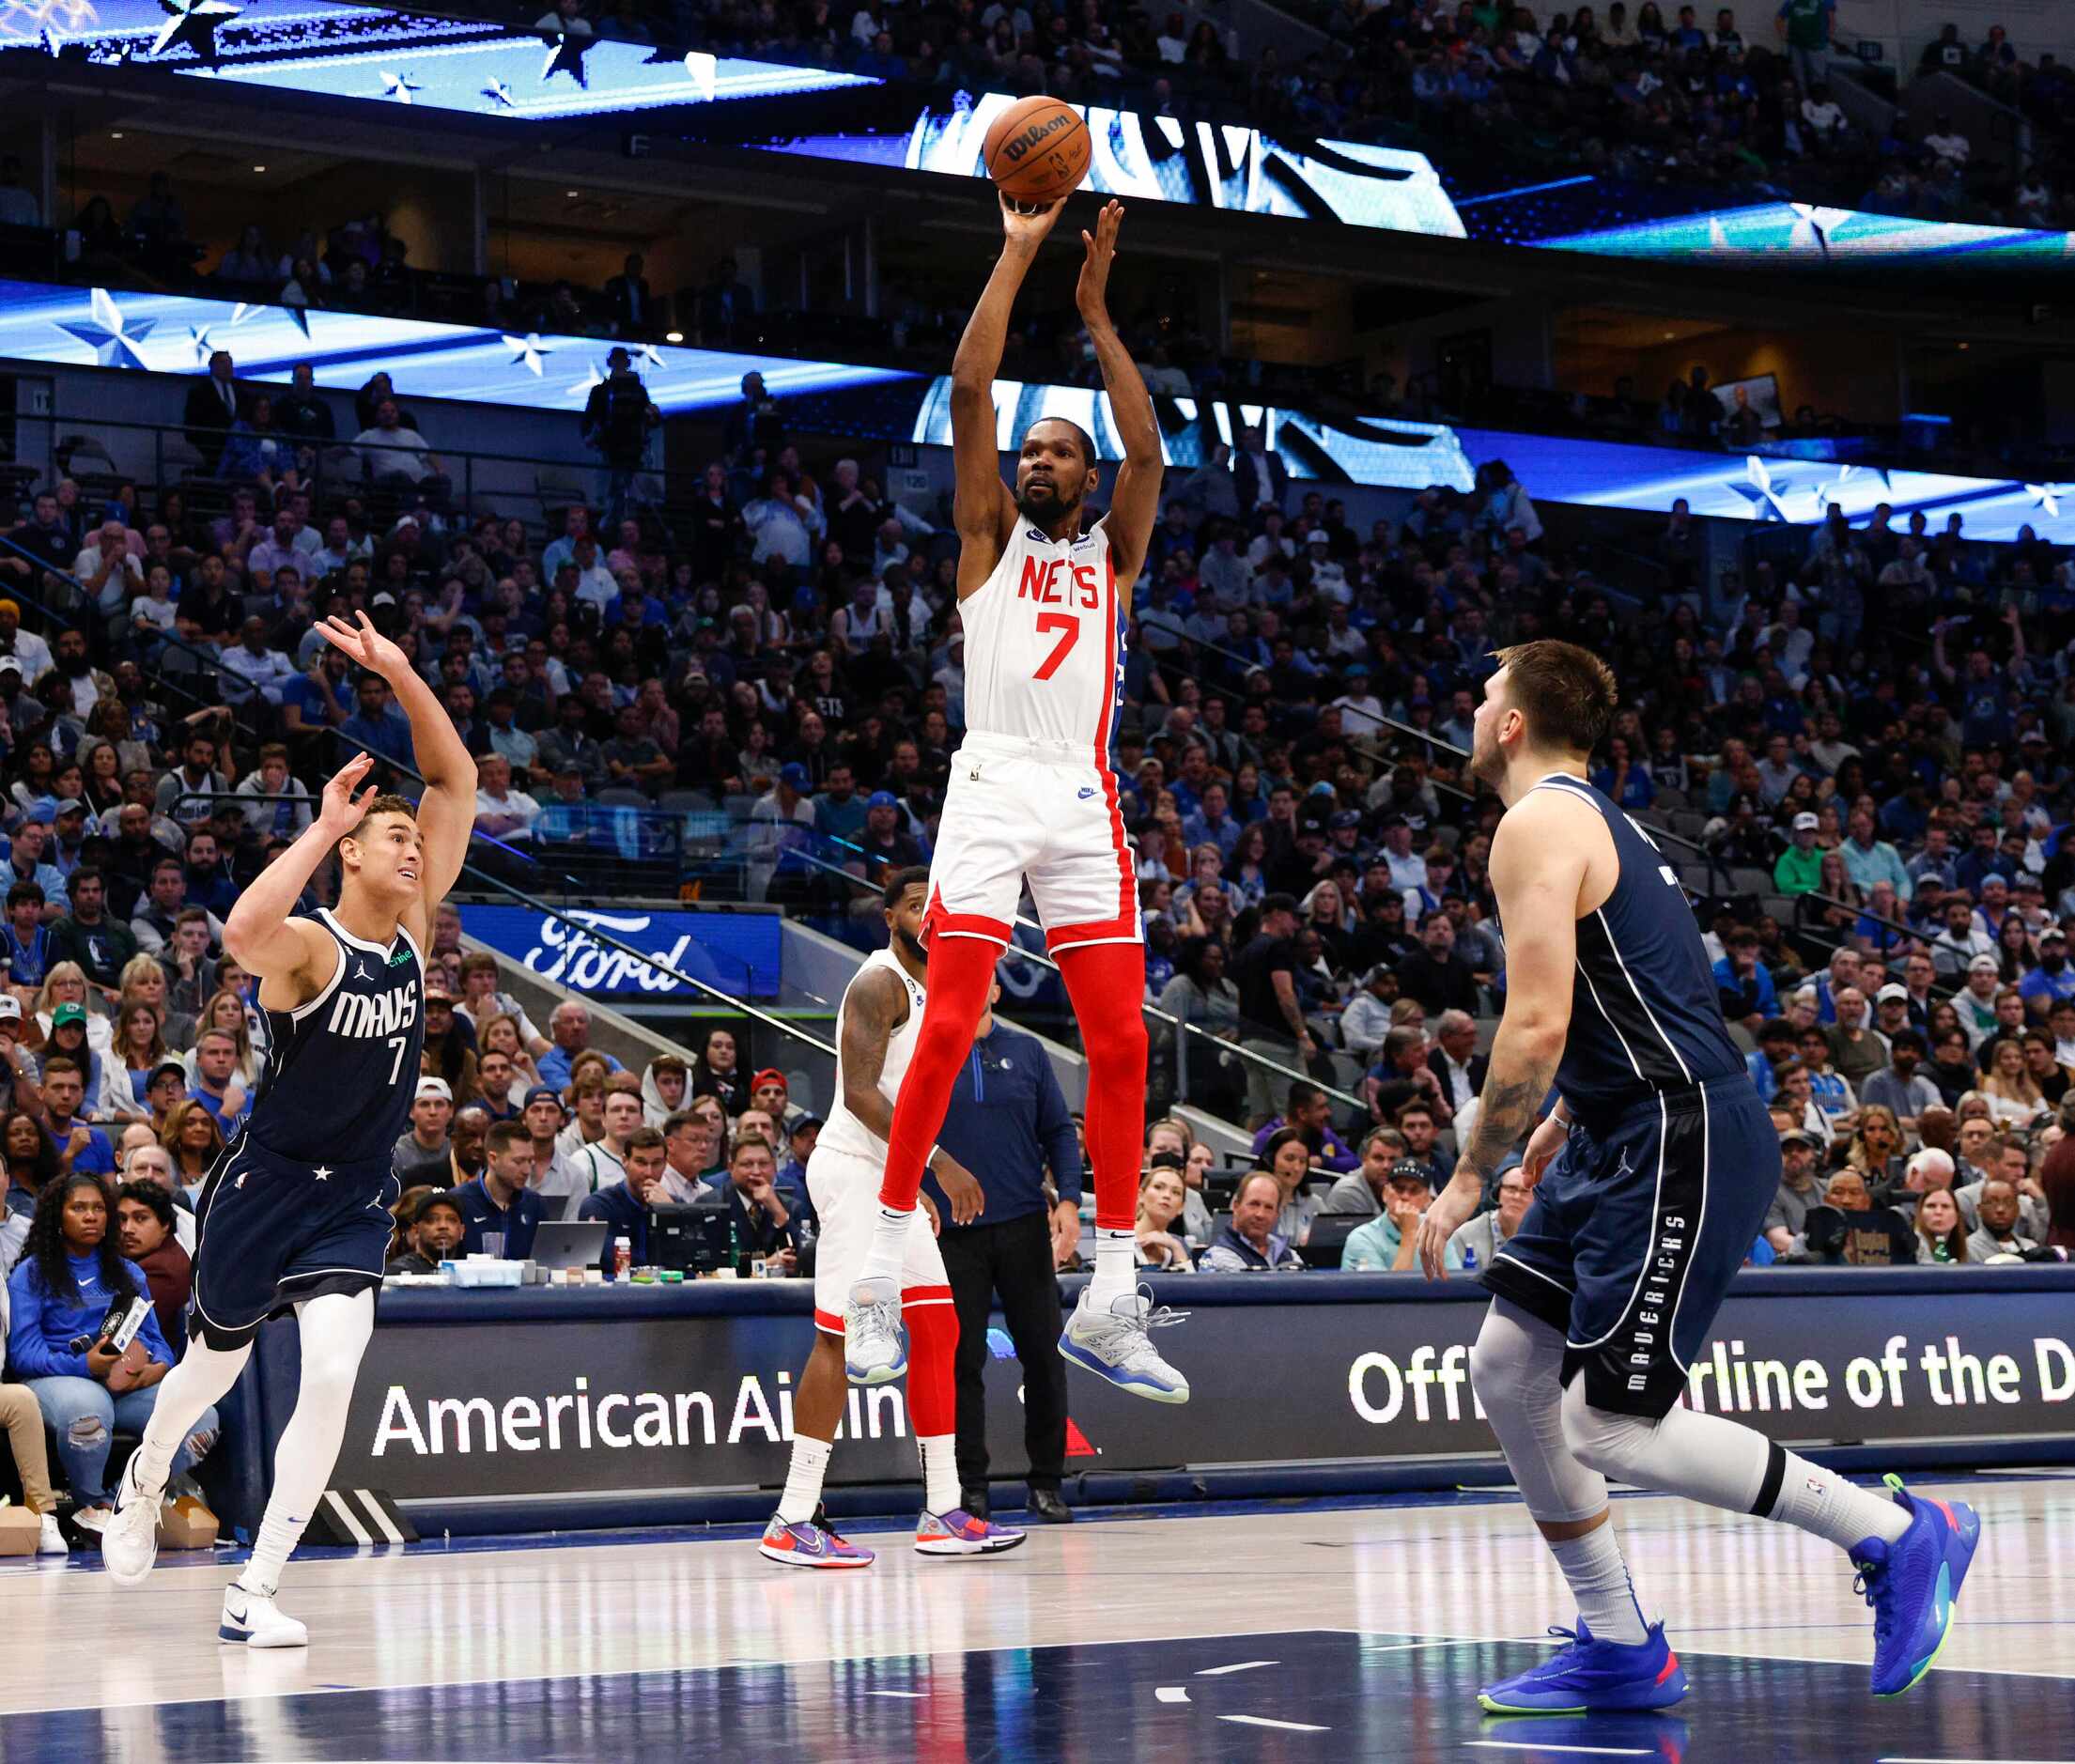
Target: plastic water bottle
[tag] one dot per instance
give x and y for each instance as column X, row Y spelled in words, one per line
column 1469, row 1260
column 623, row 1258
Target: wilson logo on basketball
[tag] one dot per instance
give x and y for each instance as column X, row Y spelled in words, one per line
column 1037, row 135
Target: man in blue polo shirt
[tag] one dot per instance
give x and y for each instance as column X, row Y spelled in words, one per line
column 623, row 1205
column 1008, row 1118
column 502, row 1200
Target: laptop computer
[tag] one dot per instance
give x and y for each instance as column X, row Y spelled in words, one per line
column 560, row 1244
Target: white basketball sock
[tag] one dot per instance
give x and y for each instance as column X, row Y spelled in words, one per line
column 1599, row 1580
column 941, row 1491
column 803, row 1479
column 1116, row 1268
column 1822, row 1502
column 890, row 1228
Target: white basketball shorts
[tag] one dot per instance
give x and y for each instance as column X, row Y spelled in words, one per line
column 1042, row 810
column 845, row 1189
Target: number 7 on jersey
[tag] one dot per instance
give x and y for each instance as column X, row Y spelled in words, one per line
column 1070, row 628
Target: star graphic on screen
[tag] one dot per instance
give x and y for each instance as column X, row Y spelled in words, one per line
column 532, row 352
column 2048, row 496
column 499, row 95
column 1812, row 226
column 565, row 55
column 704, row 70
column 399, row 86
column 648, row 354
column 205, row 345
column 1759, row 490
column 322, row 1172
column 193, row 23
column 591, row 378
column 113, row 339
column 49, row 41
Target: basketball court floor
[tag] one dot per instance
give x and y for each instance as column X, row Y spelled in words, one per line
column 1282, row 1631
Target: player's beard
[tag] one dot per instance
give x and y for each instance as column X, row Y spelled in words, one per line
column 913, row 945
column 1043, row 506
column 1487, row 763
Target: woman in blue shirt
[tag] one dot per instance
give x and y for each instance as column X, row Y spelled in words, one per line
column 69, row 1273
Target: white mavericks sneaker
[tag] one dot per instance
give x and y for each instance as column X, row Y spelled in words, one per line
column 50, row 1540
column 257, row 1623
column 875, row 1346
column 1113, row 1344
column 130, row 1541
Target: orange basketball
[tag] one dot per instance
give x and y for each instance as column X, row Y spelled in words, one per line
column 1037, row 151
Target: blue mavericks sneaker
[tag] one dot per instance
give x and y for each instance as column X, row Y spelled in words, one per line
column 1913, row 1585
column 810, row 1544
column 958, row 1533
column 1593, row 1674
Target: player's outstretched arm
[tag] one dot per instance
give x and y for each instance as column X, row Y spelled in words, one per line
column 446, row 812
column 1538, row 868
column 1135, row 500
column 872, row 1008
column 291, row 956
column 982, row 507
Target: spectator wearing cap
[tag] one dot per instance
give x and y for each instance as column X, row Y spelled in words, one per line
column 1388, row 1244
column 425, row 1153
column 1366, row 1021
column 165, row 1090
column 887, row 844
column 801, row 1130
column 430, row 1235
column 1800, row 868
column 559, row 1181
column 1247, row 1242
column 2051, row 980
column 1800, row 1189
column 781, row 820
column 1891, row 1010
column 1408, row 868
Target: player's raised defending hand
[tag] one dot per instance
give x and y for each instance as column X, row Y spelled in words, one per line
column 366, row 645
column 1092, row 292
column 345, row 804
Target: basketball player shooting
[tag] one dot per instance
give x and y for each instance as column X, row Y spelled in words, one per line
column 295, row 1214
column 1651, row 1175
column 1032, row 797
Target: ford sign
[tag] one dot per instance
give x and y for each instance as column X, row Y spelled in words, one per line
column 736, row 953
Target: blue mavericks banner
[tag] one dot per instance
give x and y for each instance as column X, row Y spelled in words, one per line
column 738, row 952
column 382, row 56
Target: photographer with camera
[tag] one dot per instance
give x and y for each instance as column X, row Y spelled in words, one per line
column 82, row 1335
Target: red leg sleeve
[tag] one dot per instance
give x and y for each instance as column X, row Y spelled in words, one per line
column 961, row 974
column 931, row 1344
column 1106, row 983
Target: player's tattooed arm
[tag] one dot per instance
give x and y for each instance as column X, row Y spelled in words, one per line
column 1505, row 1112
column 872, row 1008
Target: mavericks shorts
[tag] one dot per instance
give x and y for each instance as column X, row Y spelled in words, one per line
column 1637, row 1227
column 1044, row 811
column 845, row 1189
column 269, row 1233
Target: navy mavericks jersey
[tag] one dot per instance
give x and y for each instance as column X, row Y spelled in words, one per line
column 1644, row 1017
column 341, row 1072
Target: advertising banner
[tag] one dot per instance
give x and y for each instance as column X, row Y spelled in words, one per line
column 736, row 951
column 557, row 1395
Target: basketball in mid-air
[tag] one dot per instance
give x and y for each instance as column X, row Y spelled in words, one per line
column 1037, row 151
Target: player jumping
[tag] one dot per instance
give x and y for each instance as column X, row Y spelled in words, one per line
column 876, row 1027
column 1660, row 1164
column 296, row 1211
column 1032, row 796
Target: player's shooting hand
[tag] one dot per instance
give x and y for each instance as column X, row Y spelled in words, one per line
column 1437, row 1224
column 1091, row 293
column 1027, row 226
column 342, row 809
column 961, row 1188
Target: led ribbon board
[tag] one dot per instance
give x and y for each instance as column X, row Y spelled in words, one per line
column 389, row 57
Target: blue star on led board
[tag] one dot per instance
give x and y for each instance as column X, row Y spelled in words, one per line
column 499, row 95
column 113, row 340
column 1758, row 488
column 193, row 23
column 565, row 55
column 400, row 86
column 532, row 352
column 205, row 345
column 2048, row 496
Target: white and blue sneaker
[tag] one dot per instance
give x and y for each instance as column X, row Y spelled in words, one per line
column 810, row 1544
column 958, row 1533
column 874, row 1345
column 257, row 1622
column 1113, row 1344
column 129, row 1540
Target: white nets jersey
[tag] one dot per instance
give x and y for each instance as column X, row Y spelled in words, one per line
column 843, row 1131
column 1044, row 643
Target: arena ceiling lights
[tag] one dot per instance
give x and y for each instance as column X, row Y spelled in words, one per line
column 380, row 56
column 169, row 333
